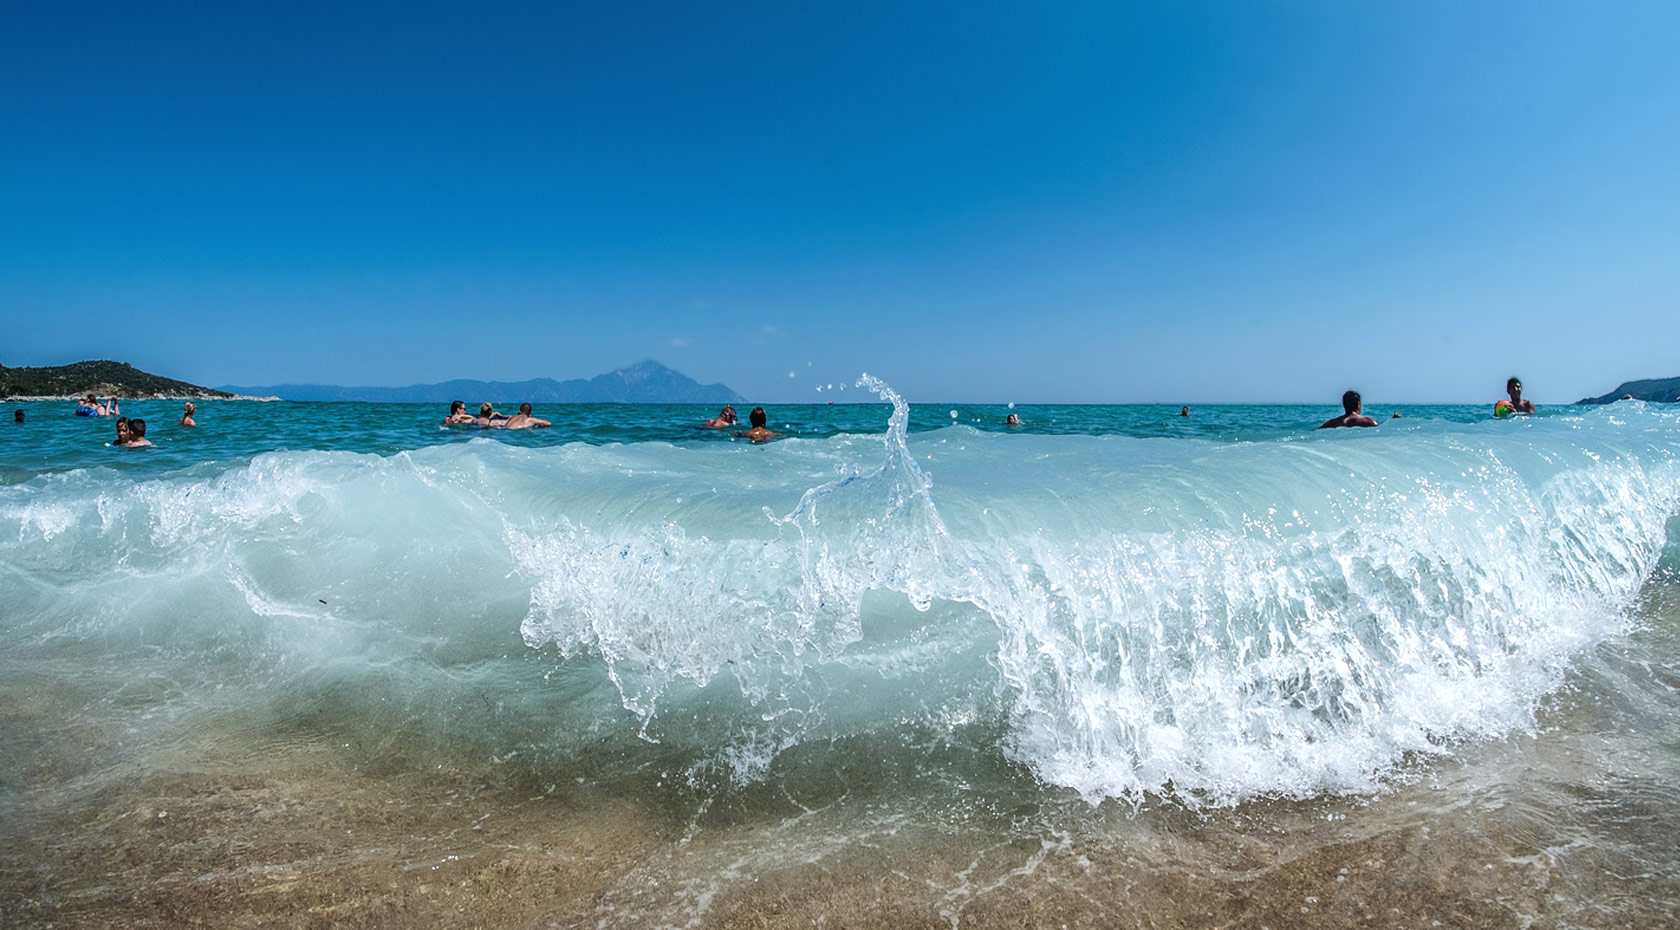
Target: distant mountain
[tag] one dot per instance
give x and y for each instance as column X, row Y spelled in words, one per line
column 104, row 378
column 644, row 383
column 1661, row 390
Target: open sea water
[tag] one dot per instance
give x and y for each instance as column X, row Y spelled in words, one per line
column 333, row 665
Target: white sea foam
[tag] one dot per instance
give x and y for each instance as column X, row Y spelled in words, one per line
column 1204, row 620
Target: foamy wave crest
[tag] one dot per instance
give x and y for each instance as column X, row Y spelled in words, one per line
column 780, row 615
column 1128, row 618
column 1312, row 613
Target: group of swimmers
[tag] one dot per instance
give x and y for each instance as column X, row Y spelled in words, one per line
column 758, row 418
column 131, row 433
column 90, row 406
column 1353, row 407
column 488, row 418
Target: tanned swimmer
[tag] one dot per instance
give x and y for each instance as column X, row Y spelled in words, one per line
column 137, row 434
column 1519, row 404
column 1352, row 405
column 725, row 417
column 524, row 420
column 758, row 433
column 457, row 414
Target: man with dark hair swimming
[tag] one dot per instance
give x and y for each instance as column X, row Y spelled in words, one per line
column 137, row 434
column 524, row 420
column 758, row 433
column 1519, row 404
column 1352, row 404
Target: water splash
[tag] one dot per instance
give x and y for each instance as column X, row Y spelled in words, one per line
column 1126, row 618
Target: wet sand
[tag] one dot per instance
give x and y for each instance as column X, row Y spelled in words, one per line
column 294, row 824
column 301, row 836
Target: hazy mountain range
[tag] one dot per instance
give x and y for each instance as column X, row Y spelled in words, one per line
column 646, row 382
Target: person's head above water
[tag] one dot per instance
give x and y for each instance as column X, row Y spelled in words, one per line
column 459, row 406
column 123, row 432
column 1351, row 401
column 485, row 410
column 525, row 409
column 137, row 428
column 18, row 415
column 757, row 418
column 1513, row 386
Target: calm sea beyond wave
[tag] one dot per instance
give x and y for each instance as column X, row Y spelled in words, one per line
column 328, row 665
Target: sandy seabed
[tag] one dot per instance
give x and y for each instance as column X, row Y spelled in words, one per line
column 301, row 837
column 1572, row 825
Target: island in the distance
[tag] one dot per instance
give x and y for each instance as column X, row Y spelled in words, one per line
column 646, row 382
column 102, row 378
column 1658, row 390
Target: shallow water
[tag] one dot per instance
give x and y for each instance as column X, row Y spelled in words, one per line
column 1107, row 669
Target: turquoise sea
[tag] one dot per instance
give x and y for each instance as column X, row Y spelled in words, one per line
column 334, row 665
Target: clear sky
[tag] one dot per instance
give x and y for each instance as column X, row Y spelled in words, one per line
column 1177, row 201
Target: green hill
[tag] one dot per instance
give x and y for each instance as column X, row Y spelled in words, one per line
column 104, row 378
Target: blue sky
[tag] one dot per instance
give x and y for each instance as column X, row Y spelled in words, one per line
column 1178, row 202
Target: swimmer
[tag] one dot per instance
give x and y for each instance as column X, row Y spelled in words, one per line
column 758, row 433
column 1012, row 420
column 1396, row 415
column 1513, row 387
column 1351, row 416
column 725, row 417
column 524, row 420
column 487, row 416
column 186, row 415
column 91, row 407
column 457, row 414
column 17, row 415
column 123, row 435
column 1184, row 411
column 137, row 434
